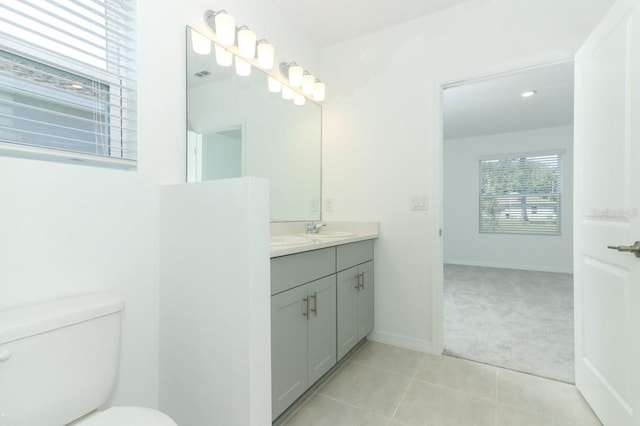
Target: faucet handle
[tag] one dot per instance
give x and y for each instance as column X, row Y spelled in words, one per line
column 313, row 228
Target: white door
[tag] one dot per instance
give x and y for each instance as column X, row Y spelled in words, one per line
column 607, row 203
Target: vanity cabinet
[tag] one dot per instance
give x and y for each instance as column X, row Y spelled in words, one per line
column 303, row 324
column 321, row 307
column 355, row 295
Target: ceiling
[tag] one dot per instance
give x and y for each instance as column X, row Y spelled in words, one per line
column 327, row 22
column 494, row 105
column 477, row 108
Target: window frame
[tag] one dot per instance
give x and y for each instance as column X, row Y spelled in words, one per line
column 119, row 110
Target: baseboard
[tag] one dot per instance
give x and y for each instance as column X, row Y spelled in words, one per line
column 511, row 266
column 401, row 341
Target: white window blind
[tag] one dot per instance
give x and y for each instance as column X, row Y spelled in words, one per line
column 521, row 195
column 67, row 79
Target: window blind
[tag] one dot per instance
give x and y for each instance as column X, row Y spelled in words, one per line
column 67, row 78
column 521, row 195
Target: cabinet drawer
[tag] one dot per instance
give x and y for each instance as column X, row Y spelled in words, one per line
column 354, row 254
column 300, row 268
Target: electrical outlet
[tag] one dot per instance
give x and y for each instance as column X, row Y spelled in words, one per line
column 314, row 205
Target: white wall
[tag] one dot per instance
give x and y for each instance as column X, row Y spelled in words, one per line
column 382, row 132
column 68, row 229
column 215, row 318
column 463, row 244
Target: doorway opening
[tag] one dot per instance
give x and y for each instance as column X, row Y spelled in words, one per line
column 507, row 216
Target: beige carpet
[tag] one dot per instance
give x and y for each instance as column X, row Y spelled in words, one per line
column 520, row 320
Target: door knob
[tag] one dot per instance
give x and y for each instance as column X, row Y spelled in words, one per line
column 635, row 248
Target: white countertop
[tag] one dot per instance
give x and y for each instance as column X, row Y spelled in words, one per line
column 362, row 231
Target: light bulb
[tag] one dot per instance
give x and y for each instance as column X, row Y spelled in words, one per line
column 274, row 85
column 298, row 99
column 225, row 28
column 295, row 75
column 243, row 68
column 308, row 83
column 287, row 93
column 200, row 44
column 224, row 58
column 266, row 53
column 319, row 91
column 247, row 43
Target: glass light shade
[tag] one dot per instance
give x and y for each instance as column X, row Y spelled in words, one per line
column 224, row 58
column 319, row 91
column 225, row 28
column 274, row 85
column 247, row 43
column 243, row 68
column 308, row 84
column 295, row 75
column 287, row 93
column 298, row 99
column 266, row 53
column 200, row 44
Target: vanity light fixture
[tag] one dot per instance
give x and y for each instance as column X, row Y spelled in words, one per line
column 311, row 87
column 274, row 84
column 528, row 93
column 200, row 44
column 319, row 91
column 293, row 72
column 266, row 54
column 243, row 68
column 223, row 24
column 308, row 83
column 224, row 58
column 246, row 42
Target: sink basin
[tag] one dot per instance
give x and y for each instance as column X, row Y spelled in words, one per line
column 331, row 234
column 289, row 240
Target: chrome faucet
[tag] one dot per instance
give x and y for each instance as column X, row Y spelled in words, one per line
column 314, row 228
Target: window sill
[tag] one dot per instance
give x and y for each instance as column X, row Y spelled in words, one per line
column 69, row 157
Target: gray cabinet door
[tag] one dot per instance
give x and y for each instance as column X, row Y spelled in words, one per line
column 288, row 348
column 321, row 327
column 365, row 300
column 347, row 310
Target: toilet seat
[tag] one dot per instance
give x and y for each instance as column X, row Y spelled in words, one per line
column 126, row 416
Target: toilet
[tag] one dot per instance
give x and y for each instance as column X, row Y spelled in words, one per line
column 59, row 363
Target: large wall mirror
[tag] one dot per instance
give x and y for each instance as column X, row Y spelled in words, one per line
column 236, row 127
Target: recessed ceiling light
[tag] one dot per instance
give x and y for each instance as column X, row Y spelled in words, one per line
column 528, row 93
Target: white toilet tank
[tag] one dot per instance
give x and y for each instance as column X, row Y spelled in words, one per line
column 58, row 360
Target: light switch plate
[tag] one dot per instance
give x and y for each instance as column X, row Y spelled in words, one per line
column 328, row 205
column 419, row 202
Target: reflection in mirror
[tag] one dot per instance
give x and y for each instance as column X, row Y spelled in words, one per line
column 236, row 127
column 217, row 154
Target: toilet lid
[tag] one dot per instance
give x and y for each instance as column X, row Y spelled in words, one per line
column 127, row 416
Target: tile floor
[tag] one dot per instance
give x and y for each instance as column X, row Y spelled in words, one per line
column 386, row 385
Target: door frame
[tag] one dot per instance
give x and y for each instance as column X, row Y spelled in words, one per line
column 437, row 184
